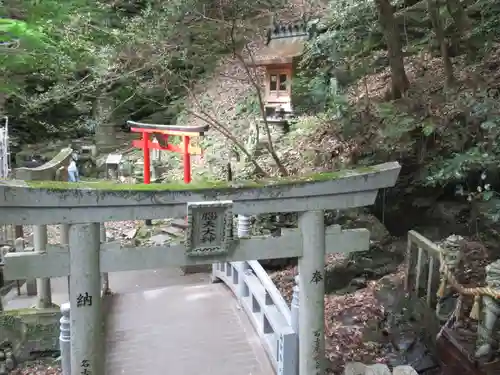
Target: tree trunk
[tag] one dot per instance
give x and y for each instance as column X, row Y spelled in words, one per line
column 462, row 24
column 433, row 10
column 399, row 80
column 3, row 99
column 459, row 16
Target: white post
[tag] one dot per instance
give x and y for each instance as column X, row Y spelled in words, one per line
column 294, row 307
column 85, row 299
column 44, row 295
column 105, row 275
column 294, row 312
column 243, row 230
column 244, row 226
column 311, row 303
column 65, row 339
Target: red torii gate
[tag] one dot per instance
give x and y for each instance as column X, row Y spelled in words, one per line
column 161, row 133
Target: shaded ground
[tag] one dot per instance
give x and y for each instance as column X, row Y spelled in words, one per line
column 371, row 321
column 41, row 367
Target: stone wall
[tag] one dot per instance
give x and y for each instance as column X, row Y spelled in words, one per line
column 31, row 331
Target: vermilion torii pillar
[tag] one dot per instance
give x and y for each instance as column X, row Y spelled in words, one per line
column 162, row 132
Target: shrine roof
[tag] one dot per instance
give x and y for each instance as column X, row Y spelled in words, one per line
column 284, row 43
column 280, row 52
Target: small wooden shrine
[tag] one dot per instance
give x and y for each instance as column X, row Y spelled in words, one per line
column 285, row 45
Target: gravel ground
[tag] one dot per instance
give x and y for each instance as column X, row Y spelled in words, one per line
column 41, row 367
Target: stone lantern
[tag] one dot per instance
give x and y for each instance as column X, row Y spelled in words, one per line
column 488, row 325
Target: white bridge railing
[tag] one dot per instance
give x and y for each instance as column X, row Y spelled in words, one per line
column 275, row 323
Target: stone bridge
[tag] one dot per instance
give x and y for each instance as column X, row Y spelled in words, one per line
column 156, row 319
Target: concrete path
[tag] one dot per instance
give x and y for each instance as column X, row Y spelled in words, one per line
column 161, row 322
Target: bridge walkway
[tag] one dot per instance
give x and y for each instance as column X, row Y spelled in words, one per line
column 164, row 322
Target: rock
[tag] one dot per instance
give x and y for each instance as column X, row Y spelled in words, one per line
column 273, row 225
column 156, row 230
column 33, row 163
column 403, row 326
column 355, row 368
column 361, row 266
column 130, row 234
column 277, row 264
column 360, row 218
column 4, row 250
column 202, row 268
column 125, row 168
column 405, row 370
column 389, row 293
column 142, row 233
column 424, row 202
column 358, row 368
column 179, row 223
column 449, row 212
column 160, row 239
column 358, row 282
column 173, row 231
column 8, row 361
column 377, row 369
column 404, row 343
column 414, row 351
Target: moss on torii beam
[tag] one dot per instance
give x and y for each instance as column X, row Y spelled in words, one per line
column 202, row 185
column 48, row 202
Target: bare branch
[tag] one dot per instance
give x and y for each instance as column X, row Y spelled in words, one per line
column 257, row 87
column 219, row 127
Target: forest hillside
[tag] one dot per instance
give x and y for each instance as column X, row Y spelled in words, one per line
column 417, row 81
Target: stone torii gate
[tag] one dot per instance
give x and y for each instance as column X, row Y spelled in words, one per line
column 209, row 239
